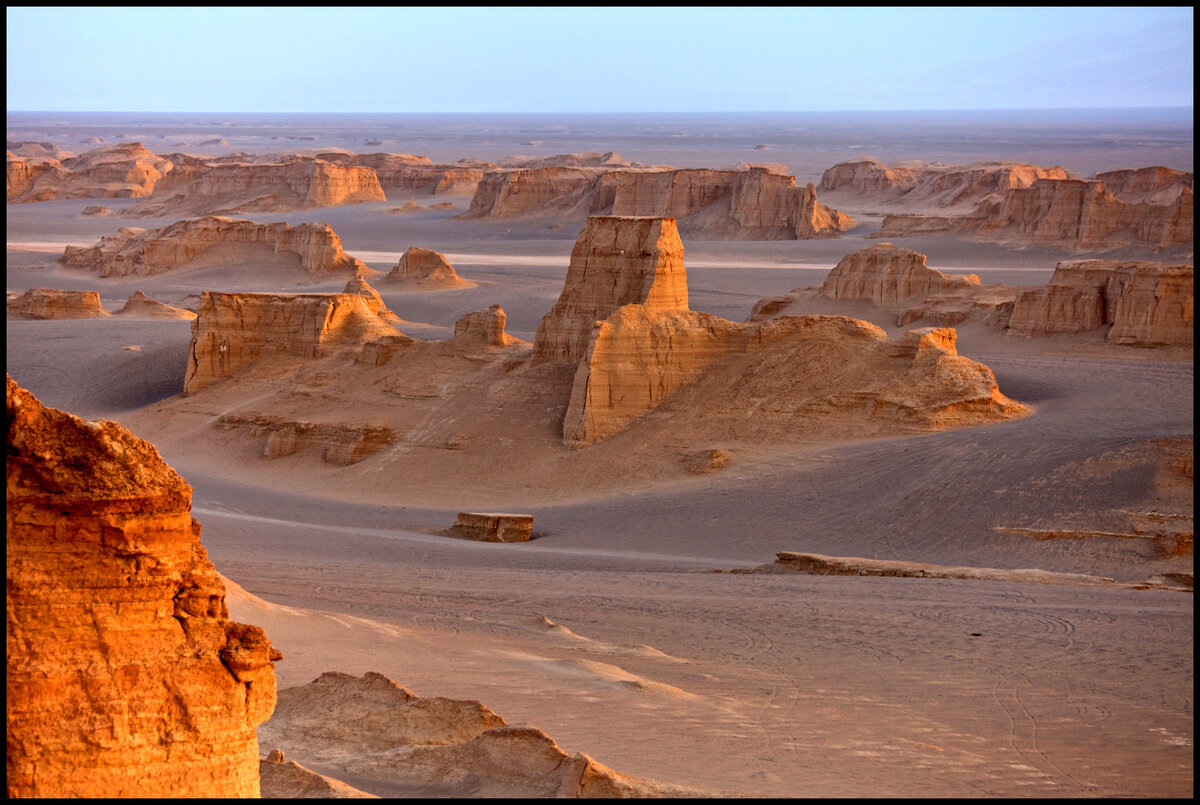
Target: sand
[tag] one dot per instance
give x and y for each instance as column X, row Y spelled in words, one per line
column 621, row 630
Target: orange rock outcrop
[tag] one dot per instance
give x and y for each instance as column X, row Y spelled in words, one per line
column 1144, row 303
column 484, row 327
column 297, row 183
column 140, row 251
column 233, row 329
column 617, row 260
column 51, row 303
column 126, row 677
column 425, row 269
column 138, row 305
column 887, row 274
column 405, row 173
column 125, row 170
column 1157, row 185
column 931, row 185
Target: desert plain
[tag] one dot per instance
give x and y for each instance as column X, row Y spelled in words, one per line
column 648, row 623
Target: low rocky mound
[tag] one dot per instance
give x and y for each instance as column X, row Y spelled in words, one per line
column 140, row 306
column 287, row 779
column 425, row 269
column 373, row 729
column 316, row 247
column 50, row 303
column 126, row 677
column 886, row 275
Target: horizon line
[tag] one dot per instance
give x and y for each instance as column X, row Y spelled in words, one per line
column 609, row 112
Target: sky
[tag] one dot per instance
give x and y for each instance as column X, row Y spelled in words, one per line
column 595, row 60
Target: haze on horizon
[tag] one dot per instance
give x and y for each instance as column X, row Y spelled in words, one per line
column 595, row 60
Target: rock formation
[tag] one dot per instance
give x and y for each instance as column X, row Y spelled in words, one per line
column 339, row 444
column 425, row 269
column 369, row 727
column 126, row 677
column 50, row 303
column 750, row 204
column 232, row 329
column 125, row 170
column 405, row 173
column 484, row 327
column 616, row 261
column 297, row 183
column 886, row 275
column 923, row 186
column 138, row 305
column 1156, row 185
column 493, row 527
column 1145, row 303
column 287, row 779
column 154, row 251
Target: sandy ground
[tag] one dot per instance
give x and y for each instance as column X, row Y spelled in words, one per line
column 621, row 630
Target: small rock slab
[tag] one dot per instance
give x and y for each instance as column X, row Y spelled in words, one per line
column 493, row 527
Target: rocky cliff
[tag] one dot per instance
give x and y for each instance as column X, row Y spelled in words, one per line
column 231, row 330
column 1155, row 307
column 886, row 275
column 126, row 677
column 617, row 260
column 407, row 174
column 50, row 303
column 154, row 251
column 425, row 269
column 533, row 192
column 1157, row 185
column 297, row 183
column 125, row 170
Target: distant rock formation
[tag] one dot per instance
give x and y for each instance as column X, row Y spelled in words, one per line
column 50, row 303
column 617, row 260
column 585, row 159
column 485, row 327
column 297, row 183
column 125, row 170
column 28, row 148
column 930, row 185
column 425, row 269
column 154, row 251
column 406, row 174
column 1145, row 303
column 1074, row 212
column 138, row 305
column 339, row 444
column 370, row 726
column 1156, row 185
column 493, row 527
column 126, row 677
column 750, row 204
column 886, row 275
column 233, row 329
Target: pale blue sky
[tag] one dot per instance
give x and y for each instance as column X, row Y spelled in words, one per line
column 583, row 60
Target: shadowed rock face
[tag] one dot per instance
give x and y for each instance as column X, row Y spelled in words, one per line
column 1146, row 303
column 50, row 303
column 154, row 251
column 126, row 677
column 231, row 330
column 617, row 260
column 485, row 327
column 425, row 269
column 887, row 274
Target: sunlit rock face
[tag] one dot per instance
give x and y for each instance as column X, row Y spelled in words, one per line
column 123, row 170
column 887, row 274
column 231, row 329
column 153, row 251
column 51, row 303
column 617, row 260
column 934, row 185
column 126, row 677
column 424, row 269
column 1145, row 303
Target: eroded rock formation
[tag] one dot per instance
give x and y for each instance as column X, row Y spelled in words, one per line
column 484, row 327
column 50, row 303
column 126, row 677
column 922, row 186
column 154, row 251
column 886, row 275
column 493, row 527
column 405, row 173
column 231, row 329
column 125, row 170
column 425, row 269
column 297, row 183
column 1145, row 303
column 617, row 260
column 339, row 444
column 371, row 727
column 1157, row 185
column 138, row 305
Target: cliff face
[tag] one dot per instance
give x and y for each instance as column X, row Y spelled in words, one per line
column 887, row 274
column 125, row 170
column 297, row 184
column 751, row 204
column 616, row 261
column 231, row 330
column 126, row 677
column 407, row 174
column 484, row 327
column 1157, row 185
column 50, row 303
column 1145, row 303
column 144, row 252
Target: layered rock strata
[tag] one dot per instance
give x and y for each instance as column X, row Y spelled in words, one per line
column 405, row 173
column 154, row 251
column 1157, row 185
column 231, row 330
column 298, row 183
column 485, row 327
column 493, row 527
column 51, row 303
column 931, row 185
column 886, row 275
column 425, row 269
column 125, row 170
column 126, row 677
column 1145, row 303
column 340, row 444
column 617, row 260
